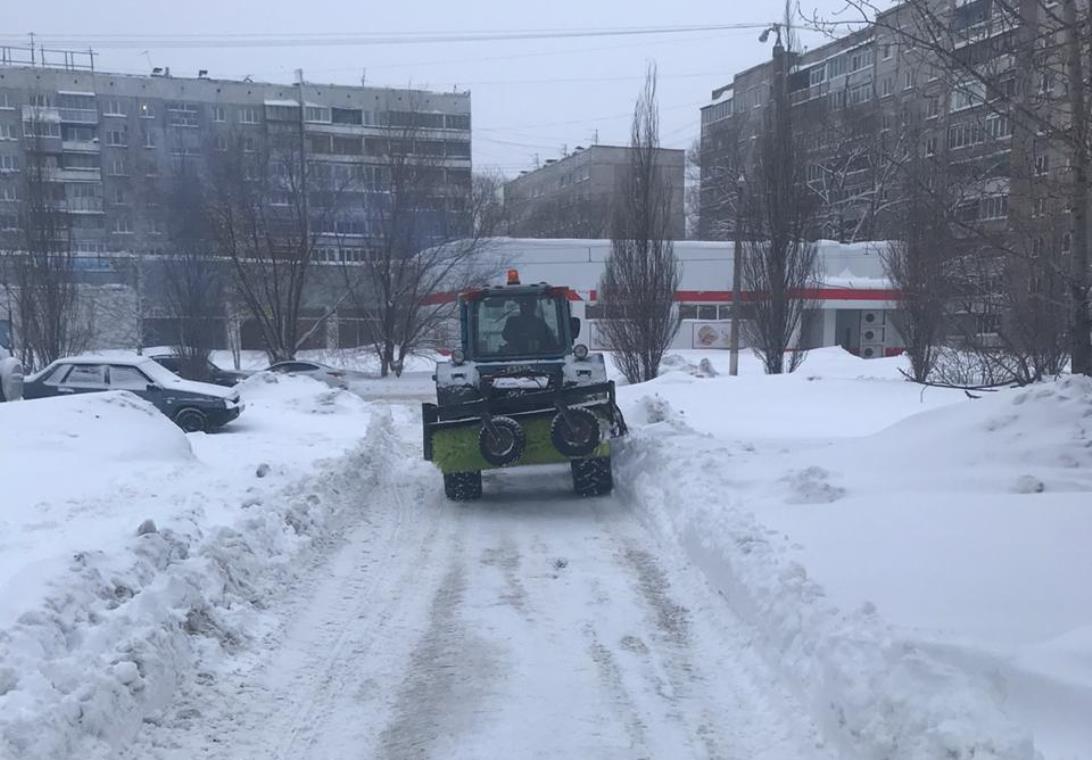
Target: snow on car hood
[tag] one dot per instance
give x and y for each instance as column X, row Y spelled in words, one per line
column 171, row 381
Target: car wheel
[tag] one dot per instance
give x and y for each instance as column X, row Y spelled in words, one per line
column 192, row 420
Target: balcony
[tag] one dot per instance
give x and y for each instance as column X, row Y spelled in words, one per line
column 81, row 146
column 79, row 115
column 75, row 175
column 82, row 205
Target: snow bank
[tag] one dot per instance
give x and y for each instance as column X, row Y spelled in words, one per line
column 879, row 696
column 916, row 561
column 175, row 563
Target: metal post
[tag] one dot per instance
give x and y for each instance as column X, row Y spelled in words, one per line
column 737, row 261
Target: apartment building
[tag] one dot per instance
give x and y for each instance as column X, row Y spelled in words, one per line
column 870, row 105
column 109, row 143
column 571, row 197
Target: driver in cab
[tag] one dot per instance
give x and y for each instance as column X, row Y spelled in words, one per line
column 527, row 332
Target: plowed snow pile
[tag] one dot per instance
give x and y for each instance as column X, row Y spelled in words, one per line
column 925, row 583
column 128, row 549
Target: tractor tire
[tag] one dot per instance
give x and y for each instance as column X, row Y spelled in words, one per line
column 592, row 477
column 463, row 486
column 192, row 420
column 579, row 442
column 507, row 447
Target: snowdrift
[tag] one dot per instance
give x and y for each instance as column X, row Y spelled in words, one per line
column 959, row 520
column 106, row 622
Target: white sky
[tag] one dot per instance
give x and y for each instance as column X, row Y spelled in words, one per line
column 528, row 96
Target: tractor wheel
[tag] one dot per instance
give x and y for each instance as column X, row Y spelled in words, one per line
column 463, row 486
column 506, row 447
column 592, row 477
column 578, row 442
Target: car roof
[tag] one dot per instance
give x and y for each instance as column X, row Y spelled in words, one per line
column 123, row 360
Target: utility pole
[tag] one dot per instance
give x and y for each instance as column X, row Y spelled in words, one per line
column 303, row 159
column 737, row 262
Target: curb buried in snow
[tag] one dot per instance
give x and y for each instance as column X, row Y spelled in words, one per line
column 113, row 644
column 877, row 696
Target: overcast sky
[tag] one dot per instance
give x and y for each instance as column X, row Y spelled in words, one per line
column 531, row 96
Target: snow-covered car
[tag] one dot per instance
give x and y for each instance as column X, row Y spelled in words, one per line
column 11, row 377
column 193, row 406
column 213, row 373
column 332, row 376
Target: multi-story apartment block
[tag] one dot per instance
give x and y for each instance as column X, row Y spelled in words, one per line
column 870, row 105
column 109, row 143
column 572, row 197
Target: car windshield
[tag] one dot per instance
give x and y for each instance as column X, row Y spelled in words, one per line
column 517, row 325
column 157, row 372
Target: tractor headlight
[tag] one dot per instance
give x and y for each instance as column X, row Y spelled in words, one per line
column 580, row 351
column 458, row 356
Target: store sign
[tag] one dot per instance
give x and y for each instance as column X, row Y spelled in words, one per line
column 710, row 334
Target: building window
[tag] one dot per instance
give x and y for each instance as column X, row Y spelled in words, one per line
column 40, row 128
column 113, row 107
column 221, row 142
column 908, row 80
column 7, row 103
column 817, row 75
column 888, row 51
column 40, row 100
column 119, row 195
column 968, row 95
column 147, row 111
column 7, row 193
column 149, row 138
column 248, row 143
column 119, row 167
column 117, row 138
column 182, row 115
column 931, row 146
column 248, row 115
column 317, row 114
column 998, row 127
column 887, row 86
column 933, row 108
column 9, row 163
column 219, row 113
column 1042, row 164
column 994, row 207
column 122, row 225
column 7, row 132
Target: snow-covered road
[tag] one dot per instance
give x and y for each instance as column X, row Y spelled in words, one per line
column 528, row 625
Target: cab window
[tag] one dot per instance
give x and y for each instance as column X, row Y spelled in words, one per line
column 86, row 376
column 128, row 379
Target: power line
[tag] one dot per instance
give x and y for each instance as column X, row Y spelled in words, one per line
column 255, row 40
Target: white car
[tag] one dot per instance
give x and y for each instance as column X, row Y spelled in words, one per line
column 332, row 376
column 11, row 377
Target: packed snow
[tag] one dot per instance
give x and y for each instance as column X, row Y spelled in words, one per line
column 833, row 563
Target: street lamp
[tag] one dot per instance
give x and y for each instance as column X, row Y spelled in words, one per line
column 737, row 260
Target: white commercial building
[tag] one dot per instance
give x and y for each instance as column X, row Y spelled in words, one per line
column 852, row 302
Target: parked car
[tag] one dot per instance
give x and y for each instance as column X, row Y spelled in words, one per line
column 335, row 378
column 11, row 377
column 213, row 374
column 193, row 406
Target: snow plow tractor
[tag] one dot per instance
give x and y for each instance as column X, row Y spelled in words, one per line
column 520, row 391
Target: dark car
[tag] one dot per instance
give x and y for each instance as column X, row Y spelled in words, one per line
column 213, row 373
column 193, row 406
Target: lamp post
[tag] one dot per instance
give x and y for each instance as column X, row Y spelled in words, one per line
column 737, row 260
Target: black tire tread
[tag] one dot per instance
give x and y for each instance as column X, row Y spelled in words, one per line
column 592, row 477
column 463, row 486
column 205, row 427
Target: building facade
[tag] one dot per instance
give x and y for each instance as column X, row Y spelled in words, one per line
column 109, row 143
column 572, row 197
column 875, row 112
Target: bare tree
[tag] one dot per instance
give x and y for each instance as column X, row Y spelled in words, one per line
column 642, row 275
column 39, row 259
column 192, row 278
column 1025, row 63
column 430, row 228
column 779, row 262
column 262, row 221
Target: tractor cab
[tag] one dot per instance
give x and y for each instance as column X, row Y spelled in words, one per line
column 519, row 390
column 531, row 322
